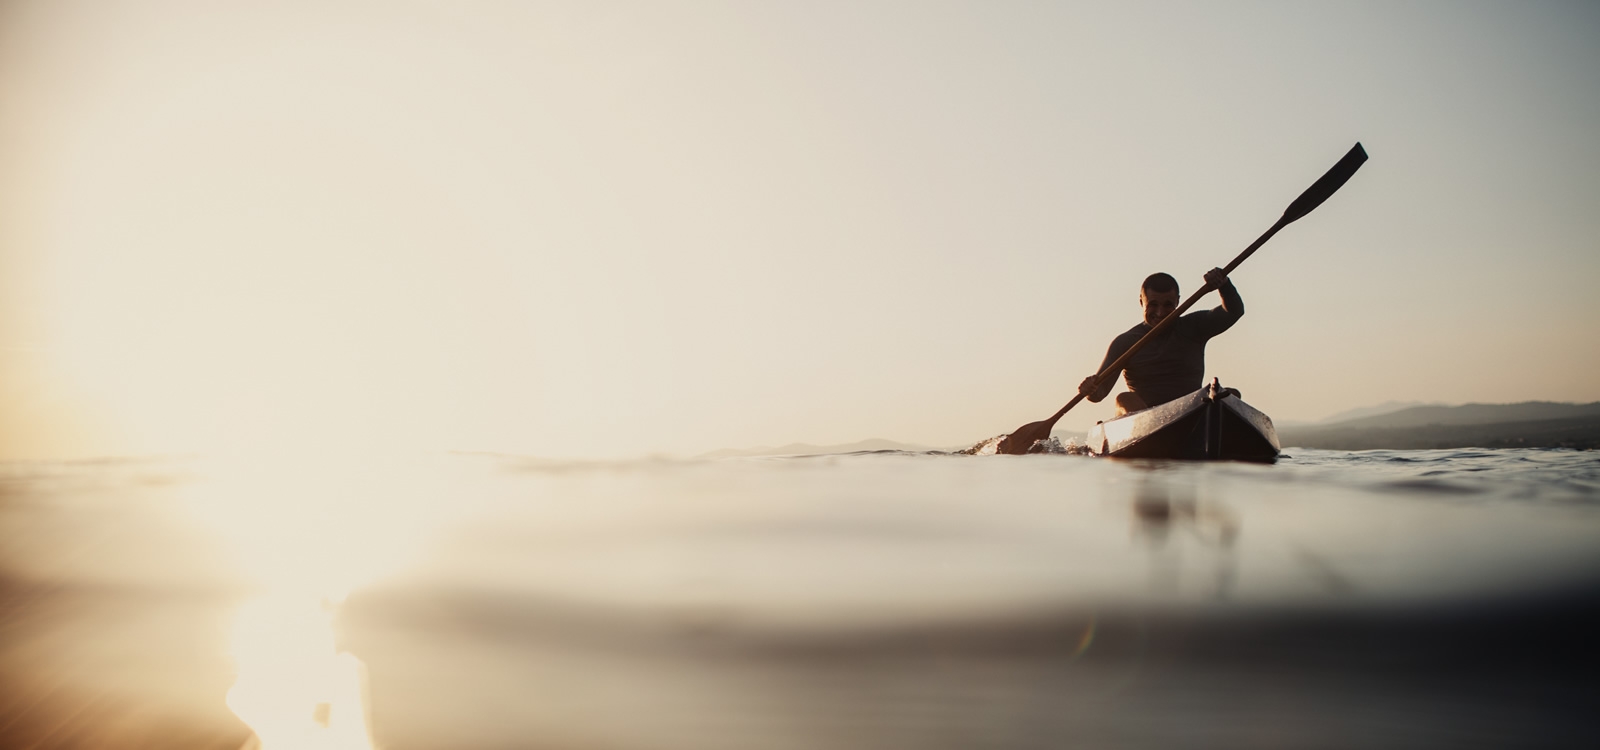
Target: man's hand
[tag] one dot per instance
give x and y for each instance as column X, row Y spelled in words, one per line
column 1086, row 388
column 1216, row 278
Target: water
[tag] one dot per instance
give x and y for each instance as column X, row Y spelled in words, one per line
column 1372, row 599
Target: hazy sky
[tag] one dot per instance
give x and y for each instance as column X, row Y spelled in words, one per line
column 594, row 229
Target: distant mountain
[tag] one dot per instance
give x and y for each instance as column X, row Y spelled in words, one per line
column 1531, row 424
column 1526, row 411
column 1388, row 407
column 806, row 449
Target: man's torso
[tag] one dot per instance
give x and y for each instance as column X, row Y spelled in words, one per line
column 1172, row 365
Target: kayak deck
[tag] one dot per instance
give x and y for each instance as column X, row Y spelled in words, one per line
column 1212, row 423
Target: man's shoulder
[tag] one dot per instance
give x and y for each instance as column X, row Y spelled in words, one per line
column 1130, row 337
column 1206, row 323
column 1198, row 317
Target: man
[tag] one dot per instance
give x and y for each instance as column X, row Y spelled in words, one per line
column 1173, row 364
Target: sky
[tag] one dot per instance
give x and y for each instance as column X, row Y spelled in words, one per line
column 608, row 229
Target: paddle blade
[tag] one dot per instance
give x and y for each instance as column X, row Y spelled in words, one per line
column 1023, row 438
column 1326, row 186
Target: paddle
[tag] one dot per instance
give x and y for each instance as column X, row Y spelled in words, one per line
column 1023, row 438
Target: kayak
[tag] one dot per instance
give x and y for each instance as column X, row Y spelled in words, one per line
column 1212, row 423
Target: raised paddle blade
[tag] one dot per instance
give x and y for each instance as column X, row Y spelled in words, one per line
column 1326, row 186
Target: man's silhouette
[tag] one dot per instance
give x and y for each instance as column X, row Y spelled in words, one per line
column 1173, row 364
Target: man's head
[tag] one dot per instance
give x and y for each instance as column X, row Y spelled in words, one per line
column 1158, row 296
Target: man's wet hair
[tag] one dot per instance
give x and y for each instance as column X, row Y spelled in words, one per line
column 1160, row 283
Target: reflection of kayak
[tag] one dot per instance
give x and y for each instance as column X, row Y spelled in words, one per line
column 1211, row 423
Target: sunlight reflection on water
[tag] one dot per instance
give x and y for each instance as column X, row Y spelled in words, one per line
column 305, row 532
column 295, row 689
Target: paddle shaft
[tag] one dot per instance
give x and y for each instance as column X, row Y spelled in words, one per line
column 1188, row 303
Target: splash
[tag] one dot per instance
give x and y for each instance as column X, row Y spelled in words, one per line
column 1050, row 444
column 986, row 448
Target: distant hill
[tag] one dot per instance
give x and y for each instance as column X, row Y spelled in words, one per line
column 806, row 449
column 1388, row 407
column 1526, row 411
column 1531, row 424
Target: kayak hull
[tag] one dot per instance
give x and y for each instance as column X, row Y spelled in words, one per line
column 1212, row 423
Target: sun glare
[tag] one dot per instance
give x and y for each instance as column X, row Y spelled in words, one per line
column 306, row 530
column 295, row 690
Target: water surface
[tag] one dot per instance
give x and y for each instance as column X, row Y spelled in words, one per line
column 1381, row 598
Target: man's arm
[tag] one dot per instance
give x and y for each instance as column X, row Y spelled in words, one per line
column 1096, row 395
column 1222, row 318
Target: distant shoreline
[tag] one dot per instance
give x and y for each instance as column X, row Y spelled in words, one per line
column 1581, row 433
column 1531, row 424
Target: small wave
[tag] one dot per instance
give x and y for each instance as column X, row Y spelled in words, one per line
column 1516, row 474
column 1433, row 486
column 884, row 452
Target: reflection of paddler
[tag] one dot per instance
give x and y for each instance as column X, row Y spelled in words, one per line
column 1172, row 364
column 1157, row 508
